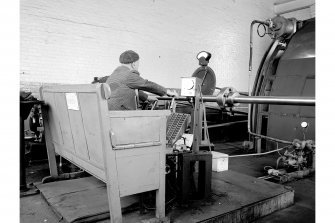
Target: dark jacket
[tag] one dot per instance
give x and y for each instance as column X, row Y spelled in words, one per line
column 123, row 83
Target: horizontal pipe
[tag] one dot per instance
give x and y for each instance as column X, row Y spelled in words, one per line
column 183, row 98
column 259, row 21
column 179, row 98
column 276, row 100
column 208, row 98
column 226, row 124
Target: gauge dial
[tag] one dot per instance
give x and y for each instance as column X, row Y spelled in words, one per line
column 189, row 84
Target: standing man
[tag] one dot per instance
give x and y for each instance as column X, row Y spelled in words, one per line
column 127, row 86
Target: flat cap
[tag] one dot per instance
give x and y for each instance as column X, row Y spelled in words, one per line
column 128, row 56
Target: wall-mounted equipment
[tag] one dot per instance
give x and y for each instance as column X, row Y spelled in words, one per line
column 287, row 69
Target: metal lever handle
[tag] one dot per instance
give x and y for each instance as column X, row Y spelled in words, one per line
column 173, row 105
column 154, row 105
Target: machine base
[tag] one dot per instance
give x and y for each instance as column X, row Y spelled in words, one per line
column 202, row 185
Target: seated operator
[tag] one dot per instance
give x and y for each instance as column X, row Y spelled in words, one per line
column 126, row 85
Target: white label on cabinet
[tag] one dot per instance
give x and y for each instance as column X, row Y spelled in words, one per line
column 72, row 101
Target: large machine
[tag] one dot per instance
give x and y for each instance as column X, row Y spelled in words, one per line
column 281, row 103
column 287, row 69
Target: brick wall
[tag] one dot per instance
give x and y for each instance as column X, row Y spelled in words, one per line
column 71, row 41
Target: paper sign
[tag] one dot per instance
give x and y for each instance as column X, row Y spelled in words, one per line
column 72, row 101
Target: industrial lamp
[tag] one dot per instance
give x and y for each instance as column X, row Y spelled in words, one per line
column 204, row 57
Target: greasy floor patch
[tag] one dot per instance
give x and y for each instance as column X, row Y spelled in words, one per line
column 34, row 209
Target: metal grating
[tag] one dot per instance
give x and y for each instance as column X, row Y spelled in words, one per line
column 176, row 126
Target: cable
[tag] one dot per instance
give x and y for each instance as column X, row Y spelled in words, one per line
column 258, row 154
column 280, row 158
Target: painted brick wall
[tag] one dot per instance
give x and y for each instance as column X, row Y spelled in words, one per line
column 71, row 41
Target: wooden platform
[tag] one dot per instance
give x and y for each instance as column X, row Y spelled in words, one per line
column 235, row 198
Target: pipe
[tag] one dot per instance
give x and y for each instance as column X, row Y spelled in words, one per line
column 255, row 88
column 250, row 71
column 179, row 98
column 209, row 98
column 269, row 138
column 183, row 98
column 251, row 41
column 225, row 124
column 277, row 100
column 304, row 101
column 299, row 174
column 250, row 65
column 237, row 112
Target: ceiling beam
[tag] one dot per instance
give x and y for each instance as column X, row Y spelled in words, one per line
column 292, row 6
column 278, row 2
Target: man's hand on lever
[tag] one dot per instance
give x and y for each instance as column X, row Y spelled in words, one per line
column 171, row 93
column 152, row 98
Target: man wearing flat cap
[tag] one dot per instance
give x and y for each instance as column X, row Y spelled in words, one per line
column 127, row 85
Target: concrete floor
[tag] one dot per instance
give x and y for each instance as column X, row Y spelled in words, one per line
column 34, row 209
column 303, row 209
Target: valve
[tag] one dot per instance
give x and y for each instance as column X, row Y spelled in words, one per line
column 282, row 27
column 226, row 96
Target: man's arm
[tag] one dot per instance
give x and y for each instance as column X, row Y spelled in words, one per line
column 143, row 96
column 134, row 81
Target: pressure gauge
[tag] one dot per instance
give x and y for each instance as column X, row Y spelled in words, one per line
column 188, row 86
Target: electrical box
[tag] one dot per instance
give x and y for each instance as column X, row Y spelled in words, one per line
column 189, row 86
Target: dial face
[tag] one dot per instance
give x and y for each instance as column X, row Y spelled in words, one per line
column 189, row 84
